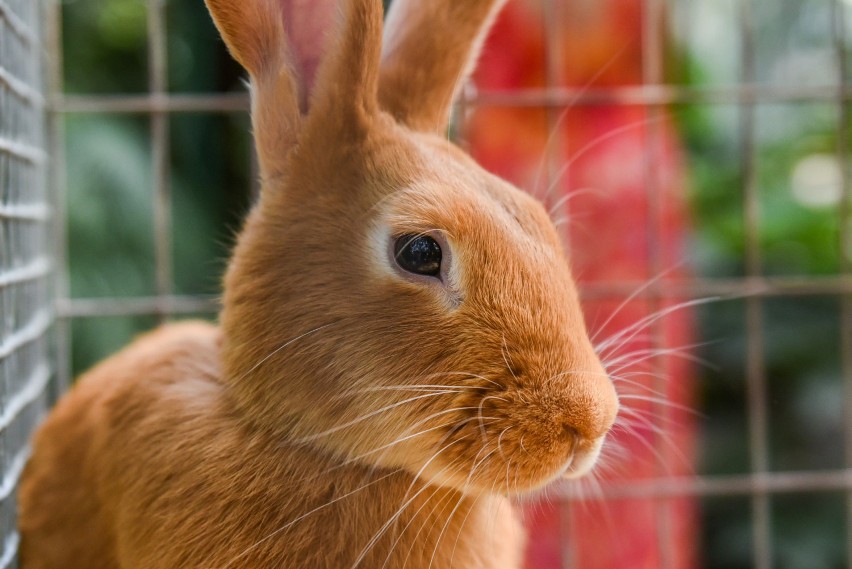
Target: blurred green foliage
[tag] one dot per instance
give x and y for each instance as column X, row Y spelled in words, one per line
column 798, row 236
column 109, row 164
column 105, row 46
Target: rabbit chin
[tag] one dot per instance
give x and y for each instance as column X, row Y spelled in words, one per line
column 498, row 477
column 583, row 461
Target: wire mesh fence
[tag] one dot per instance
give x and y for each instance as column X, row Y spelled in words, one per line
column 25, row 308
column 155, row 101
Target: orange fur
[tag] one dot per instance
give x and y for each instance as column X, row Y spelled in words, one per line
column 337, row 392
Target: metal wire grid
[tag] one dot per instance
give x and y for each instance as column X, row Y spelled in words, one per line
column 25, row 315
column 760, row 483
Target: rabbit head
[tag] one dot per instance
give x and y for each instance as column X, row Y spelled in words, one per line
column 388, row 300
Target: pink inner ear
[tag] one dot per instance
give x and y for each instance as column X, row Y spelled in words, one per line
column 309, row 25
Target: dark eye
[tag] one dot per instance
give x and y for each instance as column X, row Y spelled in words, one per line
column 418, row 254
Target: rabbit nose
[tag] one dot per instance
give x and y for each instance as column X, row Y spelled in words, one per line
column 590, row 407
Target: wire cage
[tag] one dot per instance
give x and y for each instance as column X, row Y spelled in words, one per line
column 25, row 366
column 752, row 504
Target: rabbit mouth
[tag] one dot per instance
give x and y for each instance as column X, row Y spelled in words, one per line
column 513, row 474
column 582, row 461
column 487, row 459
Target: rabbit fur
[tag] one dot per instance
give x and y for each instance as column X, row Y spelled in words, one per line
column 344, row 413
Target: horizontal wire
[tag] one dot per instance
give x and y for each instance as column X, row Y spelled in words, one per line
column 88, row 307
column 17, row 25
column 28, row 212
column 698, row 287
column 23, row 151
column 735, row 485
column 655, row 94
column 24, row 99
column 21, row 89
column 688, row 288
column 31, row 331
column 34, row 387
column 550, row 97
column 10, row 549
column 155, row 103
column 39, row 267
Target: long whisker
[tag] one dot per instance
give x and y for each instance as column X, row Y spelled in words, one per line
column 414, row 387
column 645, row 286
column 305, row 515
column 462, row 496
column 635, row 357
column 362, row 418
column 644, row 442
column 595, row 142
column 662, row 437
column 566, row 199
column 504, row 349
column 391, row 444
column 481, row 424
column 440, row 514
column 558, row 124
column 405, row 504
column 413, row 517
column 631, row 418
column 461, row 526
column 642, row 387
column 285, row 344
column 663, row 402
column 408, row 437
column 629, row 332
column 627, row 414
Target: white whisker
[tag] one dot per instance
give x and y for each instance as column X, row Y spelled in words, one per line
column 362, row 418
column 405, row 504
column 305, row 515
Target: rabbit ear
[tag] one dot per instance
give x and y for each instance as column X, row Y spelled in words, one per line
column 430, row 48
column 288, row 48
column 345, row 92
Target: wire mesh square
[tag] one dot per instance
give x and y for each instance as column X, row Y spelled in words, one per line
column 25, row 295
column 751, row 96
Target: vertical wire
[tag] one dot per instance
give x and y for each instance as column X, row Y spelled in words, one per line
column 755, row 368
column 555, row 142
column 57, row 180
column 254, row 172
column 844, row 249
column 458, row 115
column 653, row 76
column 25, row 312
column 551, row 29
column 158, row 87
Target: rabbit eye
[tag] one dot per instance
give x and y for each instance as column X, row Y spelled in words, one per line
column 418, row 254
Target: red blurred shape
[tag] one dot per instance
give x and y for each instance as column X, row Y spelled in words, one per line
column 623, row 169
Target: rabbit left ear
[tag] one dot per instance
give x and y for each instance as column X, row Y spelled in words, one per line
column 347, row 76
column 302, row 54
column 430, row 48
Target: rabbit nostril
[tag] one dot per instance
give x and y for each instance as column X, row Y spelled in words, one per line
column 570, row 432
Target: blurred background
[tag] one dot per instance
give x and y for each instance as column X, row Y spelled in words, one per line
column 695, row 154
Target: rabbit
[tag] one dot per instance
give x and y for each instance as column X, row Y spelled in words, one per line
column 401, row 348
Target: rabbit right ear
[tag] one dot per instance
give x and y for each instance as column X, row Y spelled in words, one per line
column 430, row 48
column 281, row 43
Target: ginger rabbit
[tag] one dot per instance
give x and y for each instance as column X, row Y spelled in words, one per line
column 401, row 344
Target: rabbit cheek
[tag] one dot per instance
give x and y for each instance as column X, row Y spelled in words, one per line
column 507, row 445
